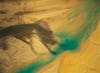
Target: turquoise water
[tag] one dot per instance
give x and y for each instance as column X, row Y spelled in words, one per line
column 92, row 10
